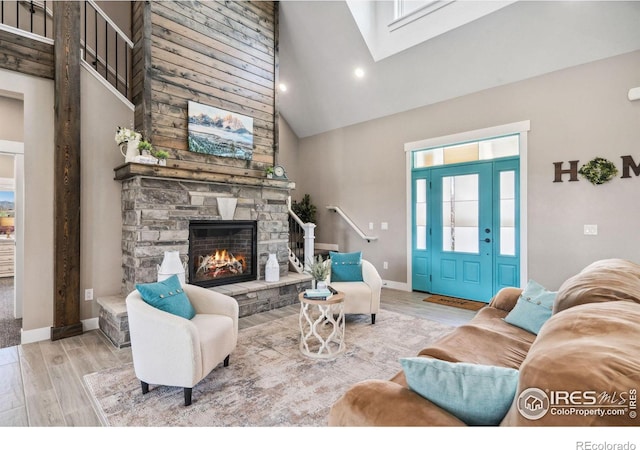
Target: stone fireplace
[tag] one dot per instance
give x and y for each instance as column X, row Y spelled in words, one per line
column 157, row 212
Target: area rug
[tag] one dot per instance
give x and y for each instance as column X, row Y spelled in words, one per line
column 268, row 383
column 455, row 302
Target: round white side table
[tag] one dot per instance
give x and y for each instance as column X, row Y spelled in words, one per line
column 322, row 326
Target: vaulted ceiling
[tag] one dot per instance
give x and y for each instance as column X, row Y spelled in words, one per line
column 321, row 45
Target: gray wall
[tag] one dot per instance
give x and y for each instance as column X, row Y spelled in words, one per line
column 288, row 153
column 12, row 123
column 101, row 216
column 577, row 113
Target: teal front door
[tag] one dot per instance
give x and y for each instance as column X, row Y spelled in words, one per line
column 465, row 226
column 462, row 232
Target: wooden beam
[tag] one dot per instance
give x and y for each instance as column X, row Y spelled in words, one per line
column 66, row 26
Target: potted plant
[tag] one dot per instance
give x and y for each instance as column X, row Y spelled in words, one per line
column 269, row 172
column 305, row 209
column 162, row 157
column 145, row 147
column 319, row 270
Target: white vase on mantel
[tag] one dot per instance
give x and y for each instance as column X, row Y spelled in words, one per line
column 132, row 150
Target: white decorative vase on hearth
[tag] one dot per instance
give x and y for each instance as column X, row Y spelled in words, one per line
column 272, row 269
column 172, row 265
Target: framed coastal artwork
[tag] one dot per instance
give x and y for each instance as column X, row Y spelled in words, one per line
column 214, row 131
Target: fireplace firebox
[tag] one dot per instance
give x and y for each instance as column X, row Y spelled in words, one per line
column 222, row 252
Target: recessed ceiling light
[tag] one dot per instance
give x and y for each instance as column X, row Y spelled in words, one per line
column 283, row 87
column 359, row 72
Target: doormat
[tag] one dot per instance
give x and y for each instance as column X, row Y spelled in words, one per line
column 455, row 302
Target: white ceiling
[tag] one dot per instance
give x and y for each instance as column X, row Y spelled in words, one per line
column 320, row 46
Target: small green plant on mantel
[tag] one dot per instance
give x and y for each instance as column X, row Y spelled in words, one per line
column 160, row 154
column 269, row 172
column 318, row 269
column 145, row 147
column 305, row 209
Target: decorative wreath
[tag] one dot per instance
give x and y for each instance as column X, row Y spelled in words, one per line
column 598, row 170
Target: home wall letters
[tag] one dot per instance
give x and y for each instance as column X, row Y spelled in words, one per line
column 628, row 165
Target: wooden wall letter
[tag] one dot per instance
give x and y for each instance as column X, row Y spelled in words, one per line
column 628, row 163
column 559, row 171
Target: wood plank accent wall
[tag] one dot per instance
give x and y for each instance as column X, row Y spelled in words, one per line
column 217, row 53
column 66, row 314
column 24, row 55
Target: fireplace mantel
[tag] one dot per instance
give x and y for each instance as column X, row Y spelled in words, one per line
column 189, row 171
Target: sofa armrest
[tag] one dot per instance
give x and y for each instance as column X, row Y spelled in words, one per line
column 375, row 403
column 506, row 298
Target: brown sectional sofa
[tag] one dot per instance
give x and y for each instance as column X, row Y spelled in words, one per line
column 585, row 359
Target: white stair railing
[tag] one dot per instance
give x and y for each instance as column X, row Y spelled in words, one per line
column 295, row 263
column 308, row 230
column 352, row 224
column 106, row 48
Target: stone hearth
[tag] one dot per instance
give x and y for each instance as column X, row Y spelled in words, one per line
column 252, row 297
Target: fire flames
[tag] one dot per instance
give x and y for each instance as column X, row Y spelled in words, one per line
column 220, row 264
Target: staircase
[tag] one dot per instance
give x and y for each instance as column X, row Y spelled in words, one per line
column 105, row 47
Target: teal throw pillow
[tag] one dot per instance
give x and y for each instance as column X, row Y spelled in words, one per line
column 474, row 393
column 168, row 296
column 533, row 308
column 346, row 266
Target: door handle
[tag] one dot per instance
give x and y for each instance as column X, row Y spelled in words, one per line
column 487, row 240
column 487, row 230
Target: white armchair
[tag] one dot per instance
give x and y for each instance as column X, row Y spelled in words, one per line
column 361, row 297
column 170, row 350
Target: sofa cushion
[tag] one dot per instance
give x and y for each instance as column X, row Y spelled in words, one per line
column 589, row 357
column 167, row 295
column 346, row 266
column 602, row 281
column 476, row 394
column 533, row 308
column 486, row 339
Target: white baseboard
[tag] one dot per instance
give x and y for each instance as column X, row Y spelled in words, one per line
column 44, row 334
column 396, row 285
column 37, row 335
column 90, row 324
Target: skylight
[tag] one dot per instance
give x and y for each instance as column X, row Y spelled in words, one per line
column 391, row 26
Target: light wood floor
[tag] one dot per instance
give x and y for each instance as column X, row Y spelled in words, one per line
column 41, row 383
